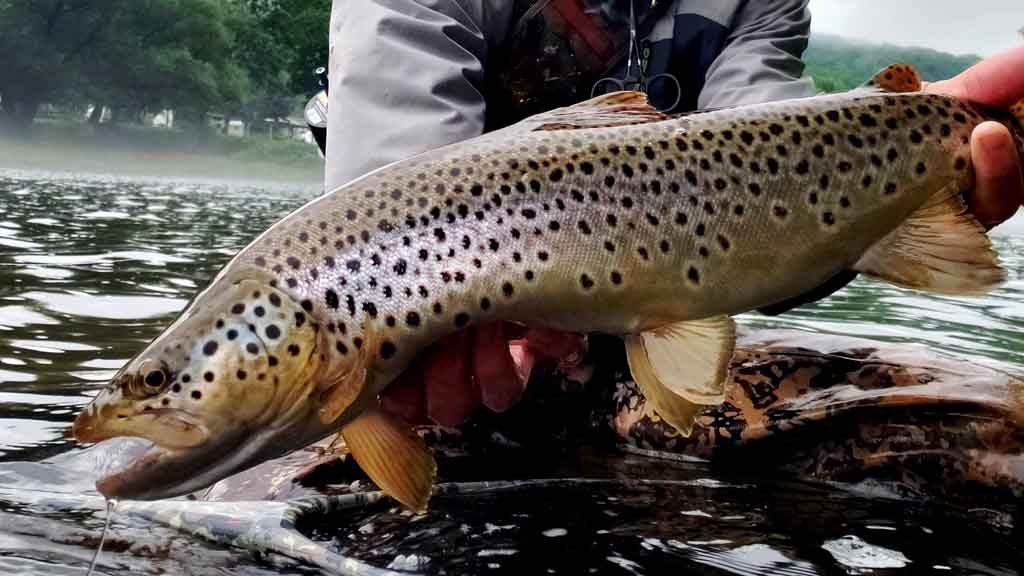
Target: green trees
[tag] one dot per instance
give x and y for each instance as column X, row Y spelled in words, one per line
column 240, row 57
column 838, row 63
column 247, row 59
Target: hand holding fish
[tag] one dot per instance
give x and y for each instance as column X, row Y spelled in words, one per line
column 996, row 82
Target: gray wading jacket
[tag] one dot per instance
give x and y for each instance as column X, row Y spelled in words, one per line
column 407, row 76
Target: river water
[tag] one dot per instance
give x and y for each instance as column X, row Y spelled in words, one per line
column 93, row 267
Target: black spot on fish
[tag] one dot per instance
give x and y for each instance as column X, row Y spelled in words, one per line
column 350, row 303
column 208, row 376
column 867, row 120
column 691, row 177
column 273, row 332
column 331, row 298
column 210, row 348
column 238, row 308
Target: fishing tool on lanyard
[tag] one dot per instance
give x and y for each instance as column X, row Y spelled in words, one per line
column 634, row 77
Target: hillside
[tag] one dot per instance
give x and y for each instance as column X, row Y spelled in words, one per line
column 838, row 63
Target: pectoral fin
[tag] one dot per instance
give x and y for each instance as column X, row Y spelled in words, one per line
column 393, row 457
column 340, row 391
column 940, row 248
column 682, row 367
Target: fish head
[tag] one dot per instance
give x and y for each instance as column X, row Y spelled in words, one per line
column 222, row 389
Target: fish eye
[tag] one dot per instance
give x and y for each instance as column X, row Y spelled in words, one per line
column 151, row 376
column 155, row 378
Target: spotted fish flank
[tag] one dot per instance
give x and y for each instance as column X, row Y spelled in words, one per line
column 601, row 217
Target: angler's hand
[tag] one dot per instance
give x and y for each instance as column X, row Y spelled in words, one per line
column 996, row 82
column 485, row 365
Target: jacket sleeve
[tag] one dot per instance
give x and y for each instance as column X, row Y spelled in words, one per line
column 761, row 61
column 405, row 77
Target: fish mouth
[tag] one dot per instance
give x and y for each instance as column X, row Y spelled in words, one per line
column 168, row 466
column 118, row 483
column 176, row 453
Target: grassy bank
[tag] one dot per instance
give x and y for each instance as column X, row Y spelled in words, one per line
column 136, row 150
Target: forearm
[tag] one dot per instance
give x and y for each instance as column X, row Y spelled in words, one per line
column 405, row 77
column 762, row 59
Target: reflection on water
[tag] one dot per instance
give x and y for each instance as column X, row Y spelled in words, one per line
column 91, row 269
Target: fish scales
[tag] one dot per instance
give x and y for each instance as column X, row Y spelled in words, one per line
column 615, row 229
column 601, row 217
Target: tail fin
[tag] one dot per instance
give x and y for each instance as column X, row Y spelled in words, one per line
column 940, row 248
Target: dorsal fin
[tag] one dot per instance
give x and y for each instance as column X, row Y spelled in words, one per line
column 895, row 78
column 614, row 109
column 1017, row 111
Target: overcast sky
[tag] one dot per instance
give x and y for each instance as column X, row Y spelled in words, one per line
column 982, row 27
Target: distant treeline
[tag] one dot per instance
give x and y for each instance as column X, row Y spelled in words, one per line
column 240, row 58
column 837, row 63
column 244, row 59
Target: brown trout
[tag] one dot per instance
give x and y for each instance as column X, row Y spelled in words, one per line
column 606, row 216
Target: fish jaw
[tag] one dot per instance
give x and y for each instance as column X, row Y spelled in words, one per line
column 109, row 416
column 230, row 384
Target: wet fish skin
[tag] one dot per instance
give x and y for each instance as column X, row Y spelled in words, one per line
column 629, row 228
